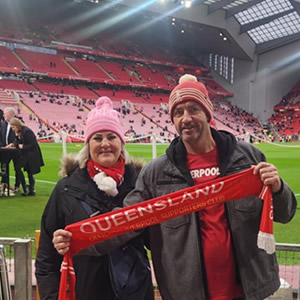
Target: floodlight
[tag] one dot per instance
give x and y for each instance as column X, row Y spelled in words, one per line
column 188, row 4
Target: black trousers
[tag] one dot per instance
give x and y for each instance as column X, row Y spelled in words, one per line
column 6, row 158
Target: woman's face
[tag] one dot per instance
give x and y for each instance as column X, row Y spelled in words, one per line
column 14, row 128
column 105, row 148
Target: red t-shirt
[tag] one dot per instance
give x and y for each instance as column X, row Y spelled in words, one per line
column 215, row 235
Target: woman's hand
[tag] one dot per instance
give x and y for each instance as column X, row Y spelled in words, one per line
column 269, row 175
column 20, row 146
column 61, row 241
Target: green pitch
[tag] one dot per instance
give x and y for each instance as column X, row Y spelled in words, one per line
column 20, row 216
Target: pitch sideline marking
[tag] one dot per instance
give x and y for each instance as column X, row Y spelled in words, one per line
column 39, row 180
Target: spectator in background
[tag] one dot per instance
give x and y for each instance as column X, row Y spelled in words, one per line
column 7, row 136
column 31, row 157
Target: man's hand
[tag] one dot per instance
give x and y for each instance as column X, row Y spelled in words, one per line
column 61, row 241
column 268, row 173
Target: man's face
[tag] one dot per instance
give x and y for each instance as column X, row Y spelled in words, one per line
column 191, row 122
column 7, row 115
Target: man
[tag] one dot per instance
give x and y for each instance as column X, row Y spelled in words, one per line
column 7, row 136
column 211, row 254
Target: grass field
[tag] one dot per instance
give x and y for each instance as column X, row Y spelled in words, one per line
column 20, row 216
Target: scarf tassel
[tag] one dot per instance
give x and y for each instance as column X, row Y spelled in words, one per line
column 265, row 238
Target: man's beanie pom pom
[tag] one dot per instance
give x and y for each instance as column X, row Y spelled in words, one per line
column 187, row 77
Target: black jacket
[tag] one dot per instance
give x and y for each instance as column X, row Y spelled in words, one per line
column 11, row 134
column 63, row 208
column 31, row 155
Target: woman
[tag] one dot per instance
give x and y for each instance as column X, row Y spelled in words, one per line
column 96, row 181
column 31, row 157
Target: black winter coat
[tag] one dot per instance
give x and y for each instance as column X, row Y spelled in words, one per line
column 63, row 208
column 31, row 155
column 11, row 134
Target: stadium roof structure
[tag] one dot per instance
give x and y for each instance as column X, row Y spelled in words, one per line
column 234, row 28
column 268, row 23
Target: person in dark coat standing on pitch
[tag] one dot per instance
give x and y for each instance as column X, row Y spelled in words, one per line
column 7, row 136
column 31, row 157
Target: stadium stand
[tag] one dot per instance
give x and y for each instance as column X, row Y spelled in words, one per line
column 89, row 69
column 285, row 120
column 129, row 69
column 7, row 98
column 119, row 71
column 44, row 63
column 17, row 85
column 9, row 60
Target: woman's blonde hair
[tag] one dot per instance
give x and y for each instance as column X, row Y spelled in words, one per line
column 16, row 122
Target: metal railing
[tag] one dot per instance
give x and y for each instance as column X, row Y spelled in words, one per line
column 288, row 256
column 5, row 292
column 22, row 269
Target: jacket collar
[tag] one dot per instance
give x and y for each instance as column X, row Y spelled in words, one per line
column 225, row 142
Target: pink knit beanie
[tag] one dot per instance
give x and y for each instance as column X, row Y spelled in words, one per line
column 103, row 117
column 190, row 89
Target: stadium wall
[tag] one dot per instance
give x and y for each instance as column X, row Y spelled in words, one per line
column 261, row 84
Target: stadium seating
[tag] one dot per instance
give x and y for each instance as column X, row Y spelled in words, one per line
column 285, row 119
column 89, row 69
column 50, row 88
column 17, row 85
column 118, row 71
column 44, row 63
column 147, row 111
column 58, row 112
column 8, row 60
column 7, row 98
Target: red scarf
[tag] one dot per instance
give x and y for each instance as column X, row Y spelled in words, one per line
column 94, row 230
column 116, row 172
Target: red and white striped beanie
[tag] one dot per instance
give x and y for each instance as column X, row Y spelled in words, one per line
column 103, row 118
column 190, row 89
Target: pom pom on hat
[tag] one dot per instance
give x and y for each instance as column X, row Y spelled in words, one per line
column 103, row 118
column 189, row 88
column 187, row 77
